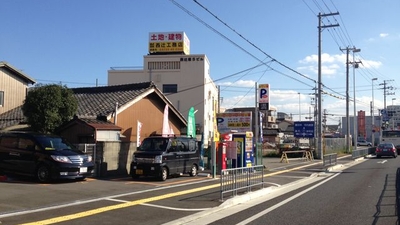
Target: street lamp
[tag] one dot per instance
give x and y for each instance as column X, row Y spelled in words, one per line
column 373, row 113
column 392, row 115
column 355, row 65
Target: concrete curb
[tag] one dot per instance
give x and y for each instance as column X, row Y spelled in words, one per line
column 335, row 167
column 204, row 174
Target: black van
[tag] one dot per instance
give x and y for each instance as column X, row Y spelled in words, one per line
column 164, row 156
column 43, row 156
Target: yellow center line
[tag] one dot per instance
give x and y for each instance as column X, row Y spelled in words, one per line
column 118, row 206
column 138, row 202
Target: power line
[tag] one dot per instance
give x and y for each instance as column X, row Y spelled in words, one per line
column 252, row 44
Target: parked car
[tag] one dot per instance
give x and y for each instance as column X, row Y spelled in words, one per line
column 43, row 156
column 162, row 157
column 364, row 143
column 386, row 149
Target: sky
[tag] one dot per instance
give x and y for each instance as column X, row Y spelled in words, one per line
column 248, row 42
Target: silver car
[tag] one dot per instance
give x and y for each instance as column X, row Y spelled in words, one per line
column 364, row 143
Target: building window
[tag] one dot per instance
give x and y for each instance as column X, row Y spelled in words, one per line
column 169, row 65
column 170, row 88
column 1, row 98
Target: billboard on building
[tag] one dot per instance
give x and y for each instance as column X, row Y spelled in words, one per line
column 263, row 96
column 362, row 126
column 169, row 42
column 234, row 121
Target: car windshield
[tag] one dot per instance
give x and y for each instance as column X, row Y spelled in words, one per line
column 386, row 145
column 54, row 143
column 154, row 144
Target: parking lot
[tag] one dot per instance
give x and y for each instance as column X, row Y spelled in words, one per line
column 24, row 200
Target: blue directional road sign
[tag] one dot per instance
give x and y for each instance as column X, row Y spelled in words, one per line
column 304, row 129
column 385, row 116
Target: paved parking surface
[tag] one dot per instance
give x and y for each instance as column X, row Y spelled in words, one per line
column 23, row 200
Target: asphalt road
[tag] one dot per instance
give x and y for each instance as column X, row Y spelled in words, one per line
column 124, row 201
column 365, row 193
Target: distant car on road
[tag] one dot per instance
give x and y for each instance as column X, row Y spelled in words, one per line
column 364, row 143
column 386, row 149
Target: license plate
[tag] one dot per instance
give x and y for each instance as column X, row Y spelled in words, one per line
column 384, row 150
column 83, row 170
column 139, row 172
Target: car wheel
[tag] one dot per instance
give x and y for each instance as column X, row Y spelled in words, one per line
column 135, row 177
column 43, row 174
column 378, row 156
column 193, row 171
column 164, row 174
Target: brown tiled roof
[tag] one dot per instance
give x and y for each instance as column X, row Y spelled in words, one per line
column 101, row 101
column 100, row 125
column 11, row 118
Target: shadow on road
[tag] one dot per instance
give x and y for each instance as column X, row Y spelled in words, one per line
column 387, row 192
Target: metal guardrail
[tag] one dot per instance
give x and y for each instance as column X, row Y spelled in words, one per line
column 243, row 178
column 359, row 153
column 330, row 159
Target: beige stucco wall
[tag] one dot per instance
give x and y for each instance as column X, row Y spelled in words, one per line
column 192, row 75
column 14, row 90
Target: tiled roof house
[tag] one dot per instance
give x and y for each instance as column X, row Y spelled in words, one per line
column 139, row 102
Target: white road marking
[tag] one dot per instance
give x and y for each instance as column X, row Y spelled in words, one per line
column 382, row 162
column 159, row 206
column 173, row 208
column 278, row 185
column 79, row 202
column 258, row 215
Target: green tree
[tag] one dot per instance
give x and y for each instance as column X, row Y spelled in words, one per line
column 46, row 107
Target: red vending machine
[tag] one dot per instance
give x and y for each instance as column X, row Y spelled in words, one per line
column 221, row 157
column 221, row 152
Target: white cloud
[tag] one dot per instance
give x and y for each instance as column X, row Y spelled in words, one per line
column 371, row 64
column 325, row 58
column 239, row 83
column 330, row 64
column 238, row 101
column 383, row 35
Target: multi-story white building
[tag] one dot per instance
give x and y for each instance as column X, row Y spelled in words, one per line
column 183, row 78
column 393, row 112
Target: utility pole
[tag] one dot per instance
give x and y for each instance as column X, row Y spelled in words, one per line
column 384, row 124
column 348, row 49
column 319, row 150
column 386, row 91
column 347, row 102
column 373, row 114
column 355, row 124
